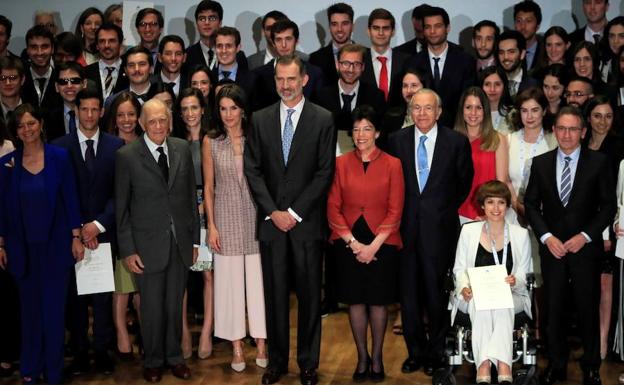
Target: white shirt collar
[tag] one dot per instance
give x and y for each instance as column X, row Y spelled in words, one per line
column 298, row 107
column 116, row 64
column 387, row 54
column 153, row 146
column 354, row 91
column 431, row 135
column 442, row 56
column 82, row 138
column 574, row 155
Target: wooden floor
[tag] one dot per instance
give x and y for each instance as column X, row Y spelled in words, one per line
column 337, row 363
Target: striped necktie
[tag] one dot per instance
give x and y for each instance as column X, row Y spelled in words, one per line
column 566, row 182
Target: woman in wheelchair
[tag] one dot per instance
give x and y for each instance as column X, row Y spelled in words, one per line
column 489, row 242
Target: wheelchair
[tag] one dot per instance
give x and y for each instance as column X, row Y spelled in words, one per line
column 459, row 347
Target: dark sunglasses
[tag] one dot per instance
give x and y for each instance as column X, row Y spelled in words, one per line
column 66, row 81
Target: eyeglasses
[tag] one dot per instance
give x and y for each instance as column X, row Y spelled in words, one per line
column 345, row 64
column 205, row 19
column 571, row 130
column 10, row 78
column 427, row 108
column 145, row 24
column 577, row 94
column 66, row 81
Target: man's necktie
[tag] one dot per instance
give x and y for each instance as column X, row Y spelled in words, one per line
column 346, row 103
column 141, row 98
column 90, row 156
column 513, row 87
column 287, row 136
column 383, row 76
column 596, row 38
column 72, row 122
column 566, row 182
column 436, row 73
column 226, row 74
column 162, row 163
column 210, row 58
column 109, row 79
column 423, row 167
column 42, row 82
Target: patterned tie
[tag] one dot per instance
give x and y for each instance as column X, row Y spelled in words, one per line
column 90, row 157
column 162, row 163
column 210, row 58
column 596, row 38
column 513, row 87
column 423, row 167
column 226, row 74
column 287, row 136
column 383, row 76
column 566, row 182
column 72, row 122
column 109, row 80
column 346, row 103
column 436, row 73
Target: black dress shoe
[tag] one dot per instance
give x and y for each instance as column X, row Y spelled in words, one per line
column 433, row 364
column 410, row 365
column 552, row 375
column 377, row 376
column 591, row 377
column 428, row 367
column 79, row 365
column 328, row 308
column 308, row 377
column 271, row 376
column 103, row 363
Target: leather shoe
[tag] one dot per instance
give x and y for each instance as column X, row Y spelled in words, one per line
column 377, row 376
column 181, row 371
column 79, row 365
column 271, row 376
column 308, row 377
column 591, row 377
column 552, row 375
column 431, row 365
column 152, row 374
column 410, row 365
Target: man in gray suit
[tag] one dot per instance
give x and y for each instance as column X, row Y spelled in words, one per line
column 289, row 163
column 157, row 230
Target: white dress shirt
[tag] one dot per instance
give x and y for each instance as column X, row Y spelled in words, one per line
column 205, row 50
column 176, row 81
column 153, row 148
column 104, row 72
column 441, row 62
column 354, row 91
column 82, row 140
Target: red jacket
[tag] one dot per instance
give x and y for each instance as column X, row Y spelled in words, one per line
column 377, row 194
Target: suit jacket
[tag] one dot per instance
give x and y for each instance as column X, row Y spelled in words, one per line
column 244, row 78
column 430, row 217
column 50, row 97
column 185, row 81
column 61, row 217
column 398, row 66
column 151, row 212
column 95, row 192
column 409, row 47
column 303, row 184
column 55, row 123
column 256, row 60
column 376, row 194
column 195, row 57
column 92, row 72
column 265, row 84
column 591, row 206
column 577, row 36
column 459, row 73
column 324, row 59
column 467, row 251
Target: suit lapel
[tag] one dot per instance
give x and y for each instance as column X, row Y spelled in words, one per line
column 275, row 132
column 174, row 161
column 149, row 162
column 299, row 131
column 579, row 175
column 551, row 175
column 440, row 155
column 410, row 149
column 77, row 154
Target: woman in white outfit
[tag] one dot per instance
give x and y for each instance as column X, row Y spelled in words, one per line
column 484, row 243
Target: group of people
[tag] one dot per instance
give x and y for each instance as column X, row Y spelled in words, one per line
column 344, row 175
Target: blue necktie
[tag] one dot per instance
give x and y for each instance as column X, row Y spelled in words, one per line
column 287, row 136
column 72, row 121
column 421, row 159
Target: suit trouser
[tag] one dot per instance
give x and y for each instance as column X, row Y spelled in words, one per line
column 42, row 294
column 10, row 320
column 304, row 259
column 422, row 288
column 78, row 319
column 161, row 311
column 583, row 270
column 330, row 275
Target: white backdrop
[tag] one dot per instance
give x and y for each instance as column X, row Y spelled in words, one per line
column 309, row 15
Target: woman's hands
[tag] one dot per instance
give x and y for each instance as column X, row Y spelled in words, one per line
column 213, row 239
column 363, row 253
column 467, row 294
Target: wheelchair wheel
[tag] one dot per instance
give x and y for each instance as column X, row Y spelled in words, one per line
column 443, row 376
column 525, row 379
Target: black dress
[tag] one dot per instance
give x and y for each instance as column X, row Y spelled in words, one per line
column 375, row 283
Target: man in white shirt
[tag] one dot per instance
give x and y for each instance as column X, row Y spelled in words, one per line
column 595, row 12
column 107, row 73
column 11, row 81
column 172, row 56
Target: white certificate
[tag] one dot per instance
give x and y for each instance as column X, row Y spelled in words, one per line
column 94, row 274
column 489, row 289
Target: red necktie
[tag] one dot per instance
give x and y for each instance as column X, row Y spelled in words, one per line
column 383, row 76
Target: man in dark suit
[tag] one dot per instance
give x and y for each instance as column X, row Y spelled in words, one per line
column 511, row 52
column 340, row 18
column 11, row 82
column 569, row 201
column 138, row 65
column 157, row 228
column 527, row 20
column 108, row 73
column 208, row 18
column 92, row 153
column 38, row 88
column 5, row 37
column 62, row 120
column 596, row 14
column 451, row 69
column 417, row 44
column 484, row 37
column 349, row 92
column 438, row 171
column 285, row 36
column 383, row 66
column 289, row 162
column 172, row 56
column 227, row 43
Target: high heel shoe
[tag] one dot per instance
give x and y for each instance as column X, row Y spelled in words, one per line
column 201, row 353
column 484, row 380
column 238, row 354
column 505, row 379
column 379, row 376
column 262, row 359
column 363, row 375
